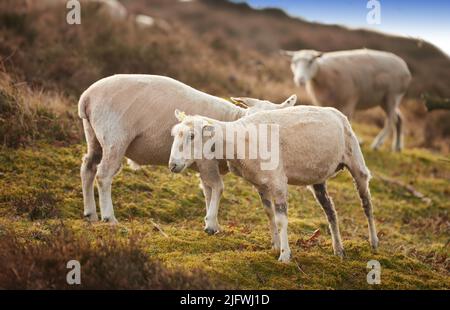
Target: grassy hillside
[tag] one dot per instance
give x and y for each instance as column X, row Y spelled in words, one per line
column 40, row 191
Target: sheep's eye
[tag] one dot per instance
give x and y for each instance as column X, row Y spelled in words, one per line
column 192, row 136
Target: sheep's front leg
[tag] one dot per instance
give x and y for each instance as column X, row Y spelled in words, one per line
column 321, row 194
column 282, row 223
column 210, row 175
column 211, row 221
column 281, row 219
column 207, row 193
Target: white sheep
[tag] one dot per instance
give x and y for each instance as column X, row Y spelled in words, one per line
column 355, row 79
column 132, row 115
column 144, row 21
column 113, row 8
column 314, row 144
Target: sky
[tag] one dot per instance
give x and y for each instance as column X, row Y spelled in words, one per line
column 428, row 20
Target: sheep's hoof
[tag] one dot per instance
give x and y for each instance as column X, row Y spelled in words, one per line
column 275, row 247
column 374, row 147
column 110, row 220
column 92, row 217
column 285, row 257
column 211, row 231
column 374, row 244
column 340, row 253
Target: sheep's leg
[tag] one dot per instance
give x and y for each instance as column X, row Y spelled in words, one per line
column 281, row 219
column 361, row 177
column 397, row 142
column 207, row 191
column 210, row 175
column 109, row 166
column 88, row 171
column 321, row 194
column 389, row 123
column 211, row 221
column 268, row 208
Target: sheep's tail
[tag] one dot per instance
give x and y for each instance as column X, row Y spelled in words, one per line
column 82, row 104
column 354, row 157
column 133, row 165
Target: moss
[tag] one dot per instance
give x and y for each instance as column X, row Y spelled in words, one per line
column 40, row 188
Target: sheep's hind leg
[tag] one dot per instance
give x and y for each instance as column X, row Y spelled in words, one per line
column 268, row 208
column 397, row 142
column 321, row 194
column 109, row 166
column 88, row 170
column 361, row 178
column 389, row 123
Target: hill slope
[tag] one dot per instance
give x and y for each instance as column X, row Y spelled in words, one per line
column 40, row 187
column 268, row 30
column 46, row 64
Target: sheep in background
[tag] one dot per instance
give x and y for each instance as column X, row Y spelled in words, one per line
column 355, row 79
column 144, row 21
column 314, row 144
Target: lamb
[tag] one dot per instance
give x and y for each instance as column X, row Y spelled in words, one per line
column 131, row 115
column 355, row 79
column 314, row 144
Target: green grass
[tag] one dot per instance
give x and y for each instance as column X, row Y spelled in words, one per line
column 40, row 188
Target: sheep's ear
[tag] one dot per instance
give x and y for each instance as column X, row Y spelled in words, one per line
column 318, row 54
column 249, row 102
column 179, row 115
column 289, row 102
column 287, row 53
column 238, row 102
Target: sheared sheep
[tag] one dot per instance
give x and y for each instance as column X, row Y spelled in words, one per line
column 314, row 144
column 355, row 79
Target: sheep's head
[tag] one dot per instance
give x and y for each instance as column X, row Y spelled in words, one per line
column 191, row 141
column 255, row 105
column 303, row 65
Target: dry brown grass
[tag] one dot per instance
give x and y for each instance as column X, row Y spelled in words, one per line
column 105, row 264
column 28, row 115
column 222, row 48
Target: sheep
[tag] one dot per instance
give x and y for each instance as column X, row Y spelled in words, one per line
column 131, row 115
column 144, row 21
column 113, row 8
column 315, row 143
column 355, row 79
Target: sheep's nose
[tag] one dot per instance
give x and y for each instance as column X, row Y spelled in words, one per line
column 300, row 82
column 175, row 168
column 172, row 167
